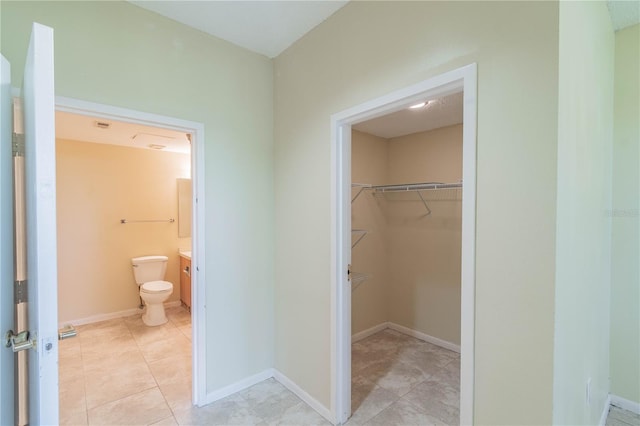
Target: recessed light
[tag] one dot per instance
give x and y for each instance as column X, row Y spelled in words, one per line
column 416, row 106
column 423, row 104
column 156, row 146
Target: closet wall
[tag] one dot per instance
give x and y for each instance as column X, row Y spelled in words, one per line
column 417, row 256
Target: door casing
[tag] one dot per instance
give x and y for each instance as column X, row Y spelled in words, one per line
column 462, row 79
column 196, row 131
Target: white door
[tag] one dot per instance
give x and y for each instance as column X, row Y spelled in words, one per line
column 36, row 123
column 6, row 243
column 42, row 272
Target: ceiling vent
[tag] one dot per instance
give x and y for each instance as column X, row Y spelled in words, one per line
column 102, row 124
column 156, row 146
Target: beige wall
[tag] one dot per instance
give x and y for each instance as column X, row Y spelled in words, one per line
column 625, row 268
column 118, row 54
column 368, row 49
column 94, row 249
column 433, row 156
column 424, row 251
column 583, row 245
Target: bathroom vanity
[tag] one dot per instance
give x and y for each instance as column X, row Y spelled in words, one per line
column 185, row 278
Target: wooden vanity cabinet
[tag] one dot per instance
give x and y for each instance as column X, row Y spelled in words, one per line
column 185, row 282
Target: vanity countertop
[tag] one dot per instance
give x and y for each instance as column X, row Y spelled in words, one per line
column 185, row 253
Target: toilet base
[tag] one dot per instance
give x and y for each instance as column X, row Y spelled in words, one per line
column 154, row 315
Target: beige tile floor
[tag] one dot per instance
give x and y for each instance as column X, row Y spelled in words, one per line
column 121, row 372
column 401, row 380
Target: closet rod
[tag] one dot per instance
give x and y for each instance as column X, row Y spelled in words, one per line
column 416, row 186
column 123, row 221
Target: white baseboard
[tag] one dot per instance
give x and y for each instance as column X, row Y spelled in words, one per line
column 405, row 330
column 113, row 315
column 262, row 376
column 422, row 336
column 308, row 399
column 237, row 386
column 369, row 331
column 103, row 317
column 625, row 404
column 605, row 412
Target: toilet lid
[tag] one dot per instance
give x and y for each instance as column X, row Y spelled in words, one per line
column 156, row 286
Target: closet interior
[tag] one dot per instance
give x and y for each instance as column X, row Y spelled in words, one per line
column 406, row 216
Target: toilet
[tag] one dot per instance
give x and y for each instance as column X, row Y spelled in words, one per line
column 149, row 274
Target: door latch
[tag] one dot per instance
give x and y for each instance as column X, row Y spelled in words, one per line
column 19, row 342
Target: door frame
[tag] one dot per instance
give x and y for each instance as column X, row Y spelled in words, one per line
column 461, row 79
column 196, row 131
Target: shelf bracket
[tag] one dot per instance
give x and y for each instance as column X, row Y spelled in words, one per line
column 362, row 187
column 362, row 232
column 424, row 202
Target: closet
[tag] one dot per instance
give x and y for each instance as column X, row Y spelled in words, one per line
column 406, row 214
column 406, row 236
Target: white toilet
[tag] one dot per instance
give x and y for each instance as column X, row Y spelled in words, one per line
column 149, row 273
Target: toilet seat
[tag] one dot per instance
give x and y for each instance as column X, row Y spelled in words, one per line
column 156, row 287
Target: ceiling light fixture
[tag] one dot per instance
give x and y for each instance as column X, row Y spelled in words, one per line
column 416, row 106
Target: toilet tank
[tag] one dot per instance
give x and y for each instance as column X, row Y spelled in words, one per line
column 149, row 268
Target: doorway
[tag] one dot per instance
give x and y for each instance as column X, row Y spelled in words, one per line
column 192, row 164
column 459, row 80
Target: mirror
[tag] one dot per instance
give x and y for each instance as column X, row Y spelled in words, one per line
column 184, row 208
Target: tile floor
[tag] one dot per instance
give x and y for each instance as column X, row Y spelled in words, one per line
column 121, row 372
column 401, row 380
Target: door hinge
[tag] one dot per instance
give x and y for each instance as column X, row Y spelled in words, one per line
column 349, row 272
column 17, row 144
column 19, row 342
column 20, row 292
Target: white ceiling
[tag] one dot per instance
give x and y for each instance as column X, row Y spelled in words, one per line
column 624, row 13
column 441, row 112
column 85, row 129
column 266, row 27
